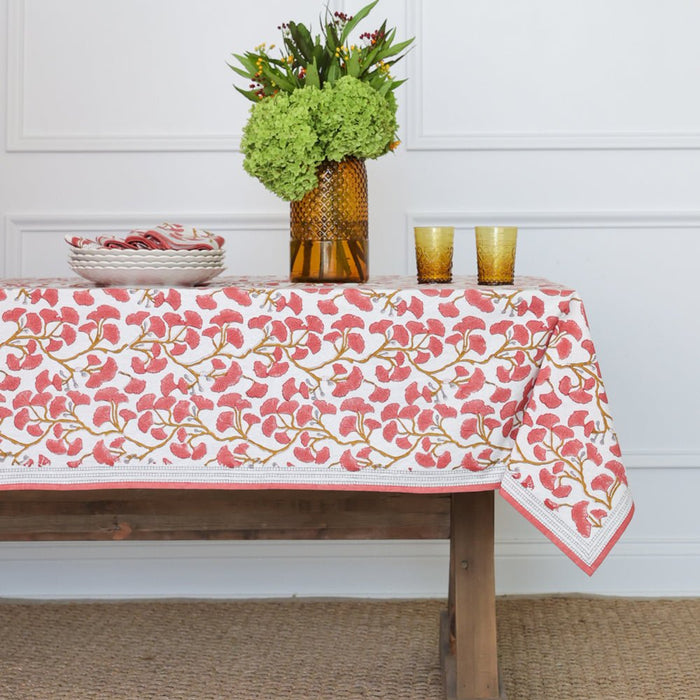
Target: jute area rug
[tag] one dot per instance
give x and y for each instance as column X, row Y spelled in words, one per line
column 551, row 648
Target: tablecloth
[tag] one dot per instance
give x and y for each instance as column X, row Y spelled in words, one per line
column 259, row 383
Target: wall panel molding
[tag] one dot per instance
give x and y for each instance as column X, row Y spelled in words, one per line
column 400, row 569
column 418, row 139
column 634, row 219
column 548, row 220
column 662, row 459
column 19, row 140
column 19, row 226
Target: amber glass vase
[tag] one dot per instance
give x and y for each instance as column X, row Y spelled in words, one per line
column 329, row 229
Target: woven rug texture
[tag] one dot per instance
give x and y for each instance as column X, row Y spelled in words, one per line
column 550, row 648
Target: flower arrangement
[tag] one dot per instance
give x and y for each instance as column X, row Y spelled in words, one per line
column 323, row 98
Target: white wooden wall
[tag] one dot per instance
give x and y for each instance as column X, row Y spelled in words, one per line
column 577, row 121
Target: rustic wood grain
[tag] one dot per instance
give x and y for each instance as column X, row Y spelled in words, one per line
column 448, row 663
column 145, row 514
column 473, row 585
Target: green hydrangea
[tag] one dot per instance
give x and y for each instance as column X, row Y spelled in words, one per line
column 356, row 121
column 287, row 136
column 280, row 143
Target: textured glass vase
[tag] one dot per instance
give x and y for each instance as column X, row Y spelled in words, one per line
column 329, row 226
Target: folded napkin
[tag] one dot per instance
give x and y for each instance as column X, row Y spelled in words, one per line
column 163, row 237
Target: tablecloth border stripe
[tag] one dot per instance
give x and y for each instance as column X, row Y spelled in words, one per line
column 242, row 486
column 587, row 567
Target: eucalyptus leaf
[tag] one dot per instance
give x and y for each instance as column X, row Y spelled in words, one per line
column 280, row 80
column 250, row 94
column 303, row 40
column 371, row 58
column 332, row 41
column 312, row 77
column 393, row 50
column 240, row 71
column 353, row 64
column 319, row 52
column 333, row 72
column 388, row 38
column 293, row 50
column 357, row 18
column 246, row 63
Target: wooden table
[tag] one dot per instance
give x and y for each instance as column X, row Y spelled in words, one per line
column 467, row 626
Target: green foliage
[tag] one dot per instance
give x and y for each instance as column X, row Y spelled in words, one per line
column 327, row 57
column 289, row 135
column 321, row 98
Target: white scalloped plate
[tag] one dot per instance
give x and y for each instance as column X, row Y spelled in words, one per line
column 144, row 262
column 157, row 277
column 148, row 254
column 144, row 265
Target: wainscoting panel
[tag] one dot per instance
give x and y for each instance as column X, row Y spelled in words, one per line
column 658, row 556
column 553, row 74
column 132, row 75
column 35, row 245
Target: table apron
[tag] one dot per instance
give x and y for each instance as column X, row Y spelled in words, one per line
column 180, row 514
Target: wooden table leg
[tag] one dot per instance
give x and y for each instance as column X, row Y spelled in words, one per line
column 468, row 628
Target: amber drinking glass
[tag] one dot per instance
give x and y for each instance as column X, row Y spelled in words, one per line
column 495, row 254
column 434, row 249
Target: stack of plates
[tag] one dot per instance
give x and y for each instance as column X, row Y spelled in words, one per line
column 147, row 267
column 165, row 255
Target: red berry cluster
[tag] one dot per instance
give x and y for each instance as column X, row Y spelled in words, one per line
column 373, row 37
column 342, row 17
column 258, row 87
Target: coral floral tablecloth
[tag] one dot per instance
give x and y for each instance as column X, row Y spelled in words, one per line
column 257, row 383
